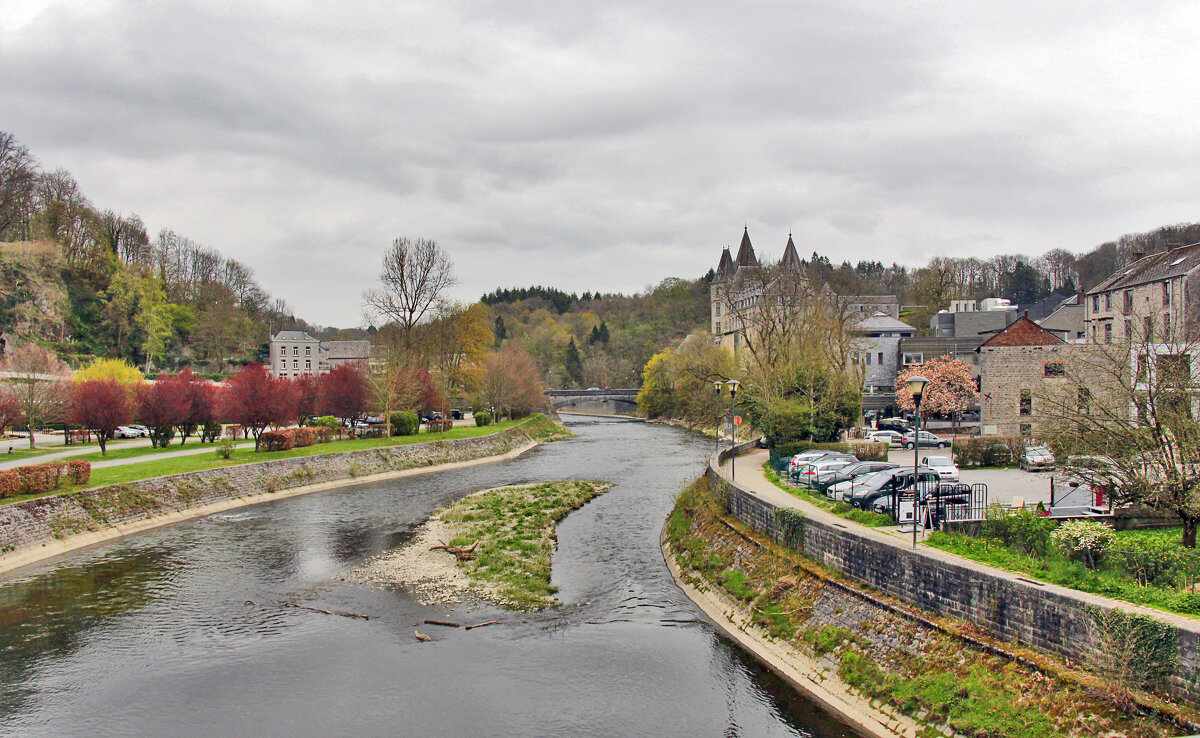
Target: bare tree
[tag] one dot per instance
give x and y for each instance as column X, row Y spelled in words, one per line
column 413, row 278
column 1123, row 421
column 18, row 177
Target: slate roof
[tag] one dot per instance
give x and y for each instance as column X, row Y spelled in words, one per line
column 882, row 322
column 725, row 267
column 1163, row 265
column 790, row 260
column 873, row 300
column 1022, row 332
column 940, row 345
column 745, row 255
column 347, row 349
column 292, row 336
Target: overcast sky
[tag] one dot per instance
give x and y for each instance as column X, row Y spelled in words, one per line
column 608, row 146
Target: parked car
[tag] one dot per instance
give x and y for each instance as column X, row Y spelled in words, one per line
column 807, row 457
column 141, row 429
column 844, row 491
column 889, row 481
column 124, row 431
column 890, row 437
column 456, row 414
column 943, row 465
column 850, row 471
column 900, row 425
column 807, row 475
column 926, row 440
column 429, row 415
column 1037, row 458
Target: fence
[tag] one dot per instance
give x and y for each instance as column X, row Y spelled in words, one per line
column 940, row 503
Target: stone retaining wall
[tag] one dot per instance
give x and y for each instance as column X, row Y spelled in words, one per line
column 27, row 525
column 1038, row 615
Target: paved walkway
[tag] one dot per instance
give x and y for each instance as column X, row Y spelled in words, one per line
column 191, row 449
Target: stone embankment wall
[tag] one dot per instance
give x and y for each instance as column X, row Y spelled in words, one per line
column 33, row 523
column 1049, row 618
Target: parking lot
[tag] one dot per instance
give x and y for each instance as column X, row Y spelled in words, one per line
column 1002, row 484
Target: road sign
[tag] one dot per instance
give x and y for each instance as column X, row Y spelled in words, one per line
column 737, row 419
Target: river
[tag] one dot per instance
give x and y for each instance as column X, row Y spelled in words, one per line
column 181, row 630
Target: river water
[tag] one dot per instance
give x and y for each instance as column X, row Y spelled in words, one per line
column 181, row 630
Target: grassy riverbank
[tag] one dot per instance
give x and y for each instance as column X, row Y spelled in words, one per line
column 537, row 426
column 514, row 530
column 930, row 675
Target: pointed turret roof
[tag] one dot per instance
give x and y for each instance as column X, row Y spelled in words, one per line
column 745, row 255
column 725, row 267
column 790, row 260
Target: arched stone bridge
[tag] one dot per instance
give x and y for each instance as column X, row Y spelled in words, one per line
column 594, row 401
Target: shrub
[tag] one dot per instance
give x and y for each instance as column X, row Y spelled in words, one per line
column 225, row 447
column 1084, row 540
column 1153, row 561
column 326, row 421
column 211, row 432
column 10, row 483
column 302, row 437
column 79, row 471
column 55, row 469
column 275, row 441
column 36, row 479
column 439, row 426
column 405, row 423
column 482, row 418
column 992, row 451
column 324, row 435
column 1023, row 530
column 233, row 431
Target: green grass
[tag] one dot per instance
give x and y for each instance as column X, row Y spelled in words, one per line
column 1056, row 569
column 514, row 530
column 840, row 509
column 538, row 426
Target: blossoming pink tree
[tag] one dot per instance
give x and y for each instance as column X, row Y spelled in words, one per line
column 950, row 391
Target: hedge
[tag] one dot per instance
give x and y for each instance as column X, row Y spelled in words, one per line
column 288, row 438
column 863, row 451
column 42, row 478
column 405, row 423
column 438, row 426
column 990, row 451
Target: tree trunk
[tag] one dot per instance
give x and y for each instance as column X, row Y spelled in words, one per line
column 100, row 437
column 1189, row 532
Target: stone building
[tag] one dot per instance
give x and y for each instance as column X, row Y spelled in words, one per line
column 877, row 345
column 1016, row 366
column 1152, row 298
column 739, row 285
column 294, row 353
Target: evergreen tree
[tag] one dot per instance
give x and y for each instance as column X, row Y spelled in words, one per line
column 594, row 336
column 573, row 363
column 500, row 331
column 602, row 334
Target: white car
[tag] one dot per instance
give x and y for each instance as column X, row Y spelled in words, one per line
column 945, row 467
column 890, row 437
column 124, row 431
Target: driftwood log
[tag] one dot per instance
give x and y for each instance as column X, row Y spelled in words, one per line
column 421, row 636
column 446, row 623
column 462, row 553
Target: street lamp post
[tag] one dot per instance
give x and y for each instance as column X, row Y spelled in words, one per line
column 717, row 436
column 733, row 388
column 916, row 385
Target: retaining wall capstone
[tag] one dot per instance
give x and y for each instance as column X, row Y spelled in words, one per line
column 1031, row 613
column 30, row 524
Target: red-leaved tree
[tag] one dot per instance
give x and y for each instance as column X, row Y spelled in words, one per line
column 345, row 393
column 512, row 382
column 100, row 405
column 161, row 405
column 10, row 411
column 199, row 403
column 308, row 397
column 254, row 399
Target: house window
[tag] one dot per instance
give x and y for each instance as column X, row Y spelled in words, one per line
column 1108, row 301
column 1143, row 368
column 1053, row 369
column 914, row 359
column 979, row 383
column 282, row 364
column 295, row 351
column 1095, row 303
column 295, row 363
column 308, row 364
column 1148, row 327
column 1093, row 334
column 718, row 310
column 1108, row 332
column 718, row 326
column 1166, row 289
column 868, row 359
column 1128, row 302
column 1026, row 403
column 880, row 358
column 1026, row 429
column 308, row 350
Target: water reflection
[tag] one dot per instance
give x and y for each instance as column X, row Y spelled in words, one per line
column 184, row 630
